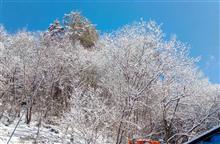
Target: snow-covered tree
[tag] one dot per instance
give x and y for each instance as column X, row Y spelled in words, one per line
column 81, row 29
column 135, row 83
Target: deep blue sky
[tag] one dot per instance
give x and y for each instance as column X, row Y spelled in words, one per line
column 194, row 22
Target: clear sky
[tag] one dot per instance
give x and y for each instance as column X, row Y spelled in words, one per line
column 194, row 22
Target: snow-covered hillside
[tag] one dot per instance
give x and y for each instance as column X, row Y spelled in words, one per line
column 91, row 88
column 24, row 133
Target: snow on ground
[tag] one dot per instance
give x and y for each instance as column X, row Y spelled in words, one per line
column 52, row 132
column 26, row 134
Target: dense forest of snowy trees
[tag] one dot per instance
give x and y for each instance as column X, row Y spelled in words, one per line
column 106, row 87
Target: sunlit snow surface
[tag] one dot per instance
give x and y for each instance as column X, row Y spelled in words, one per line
column 56, row 133
column 26, row 134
